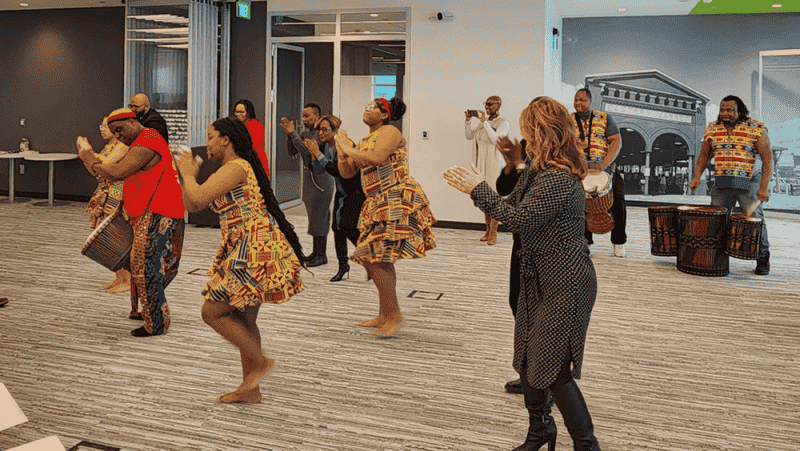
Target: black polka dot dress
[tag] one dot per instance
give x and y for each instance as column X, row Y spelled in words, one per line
column 558, row 281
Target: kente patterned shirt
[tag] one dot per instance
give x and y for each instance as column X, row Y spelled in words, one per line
column 255, row 262
column 396, row 218
column 602, row 126
column 735, row 154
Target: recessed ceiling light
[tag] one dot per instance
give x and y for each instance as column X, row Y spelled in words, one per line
column 622, row 10
column 367, row 32
column 23, row 4
column 373, row 15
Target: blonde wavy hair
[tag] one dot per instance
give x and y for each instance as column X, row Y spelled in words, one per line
column 550, row 133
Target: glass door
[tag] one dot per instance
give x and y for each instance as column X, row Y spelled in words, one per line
column 286, row 98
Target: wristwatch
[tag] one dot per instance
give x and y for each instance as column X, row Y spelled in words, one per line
column 522, row 167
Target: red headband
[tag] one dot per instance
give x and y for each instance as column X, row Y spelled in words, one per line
column 386, row 105
column 120, row 114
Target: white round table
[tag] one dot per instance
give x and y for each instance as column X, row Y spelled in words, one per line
column 50, row 157
column 10, row 156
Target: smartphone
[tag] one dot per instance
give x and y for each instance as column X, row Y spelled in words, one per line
column 473, row 113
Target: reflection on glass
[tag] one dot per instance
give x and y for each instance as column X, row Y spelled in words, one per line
column 370, row 69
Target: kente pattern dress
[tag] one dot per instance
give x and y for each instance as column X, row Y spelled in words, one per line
column 108, row 195
column 396, row 218
column 255, row 263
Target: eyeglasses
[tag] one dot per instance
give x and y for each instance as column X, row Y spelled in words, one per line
column 370, row 106
column 324, row 129
column 103, row 128
column 132, row 106
column 487, row 104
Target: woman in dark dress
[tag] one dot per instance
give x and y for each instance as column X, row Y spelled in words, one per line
column 349, row 197
column 558, row 285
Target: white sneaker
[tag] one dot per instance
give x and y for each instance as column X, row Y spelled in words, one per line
column 619, row 250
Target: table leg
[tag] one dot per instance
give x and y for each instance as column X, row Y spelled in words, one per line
column 11, row 169
column 50, row 185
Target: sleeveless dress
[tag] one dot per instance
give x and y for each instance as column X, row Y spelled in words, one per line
column 108, row 195
column 396, row 218
column 255, row 263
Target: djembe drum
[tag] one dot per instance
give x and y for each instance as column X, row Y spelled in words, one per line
column 663, row 230
column 110, row 243
column 702, row 234
column 599, row 198
column 744, row 233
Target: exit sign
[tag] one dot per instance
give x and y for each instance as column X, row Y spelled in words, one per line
column 243, row 10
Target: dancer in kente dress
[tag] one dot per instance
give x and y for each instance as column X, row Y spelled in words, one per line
column 396, row 218
column 258, row 260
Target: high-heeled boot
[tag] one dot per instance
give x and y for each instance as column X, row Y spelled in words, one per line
column 344, row 269
column 570, row 402
column 541, row 427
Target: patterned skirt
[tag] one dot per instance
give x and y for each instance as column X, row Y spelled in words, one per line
column 395, row 223
column 105, row 200
column 255, row 264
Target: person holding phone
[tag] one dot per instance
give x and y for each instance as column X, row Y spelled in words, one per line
column 484, row 128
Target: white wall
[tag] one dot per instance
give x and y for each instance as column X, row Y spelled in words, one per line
column 491, row 48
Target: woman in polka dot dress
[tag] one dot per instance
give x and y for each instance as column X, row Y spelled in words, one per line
column 558, row 283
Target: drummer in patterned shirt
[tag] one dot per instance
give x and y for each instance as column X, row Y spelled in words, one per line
column 153, row 200
column 598, row 137
column 742, row 166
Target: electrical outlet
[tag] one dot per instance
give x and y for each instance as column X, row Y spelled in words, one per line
column 21, row 168
column 425, row 134
column 22, row 122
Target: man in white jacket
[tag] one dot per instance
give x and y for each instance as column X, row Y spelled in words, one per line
column 484, row 131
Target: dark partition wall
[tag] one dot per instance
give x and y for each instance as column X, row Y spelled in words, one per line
column 248, row 59
column 62, row 71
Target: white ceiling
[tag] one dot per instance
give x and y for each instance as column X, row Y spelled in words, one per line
column 568, row 8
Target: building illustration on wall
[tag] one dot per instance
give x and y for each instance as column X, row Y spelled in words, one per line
column 661, row 122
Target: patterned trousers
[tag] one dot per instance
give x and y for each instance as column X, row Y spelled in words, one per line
column 156, row 252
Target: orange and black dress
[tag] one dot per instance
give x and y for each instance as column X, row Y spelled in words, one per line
column 255, row 263
column 108, row 195
column 396, row 218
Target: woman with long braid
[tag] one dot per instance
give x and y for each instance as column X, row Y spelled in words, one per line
column 260, row 258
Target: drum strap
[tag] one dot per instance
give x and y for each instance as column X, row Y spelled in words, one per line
column 154, row 191
column 585, row 133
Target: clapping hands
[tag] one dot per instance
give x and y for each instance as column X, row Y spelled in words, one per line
column 463, row 179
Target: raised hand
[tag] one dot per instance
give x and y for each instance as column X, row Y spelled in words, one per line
column 312, row 147
column 463, row 179
column 510, row 150
column 287, row 125
column 187, row 165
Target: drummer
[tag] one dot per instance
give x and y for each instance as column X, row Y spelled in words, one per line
column 599, row 138
column 741, row 148
column 152, row 199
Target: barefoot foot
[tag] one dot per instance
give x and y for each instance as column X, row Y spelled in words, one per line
column 245, row 397
column 388, row 328
column 253, row 379
column 109, row 285
column 121, row 288
column 375, row 322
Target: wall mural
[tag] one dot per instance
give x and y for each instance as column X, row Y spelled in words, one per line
column 662, row 78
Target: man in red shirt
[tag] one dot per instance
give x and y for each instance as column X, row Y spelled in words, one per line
column 152, row 198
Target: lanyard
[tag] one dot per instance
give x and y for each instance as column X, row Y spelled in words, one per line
column 585, row 133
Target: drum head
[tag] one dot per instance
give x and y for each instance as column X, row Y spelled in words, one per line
column 744, row 217
column 596, row 182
